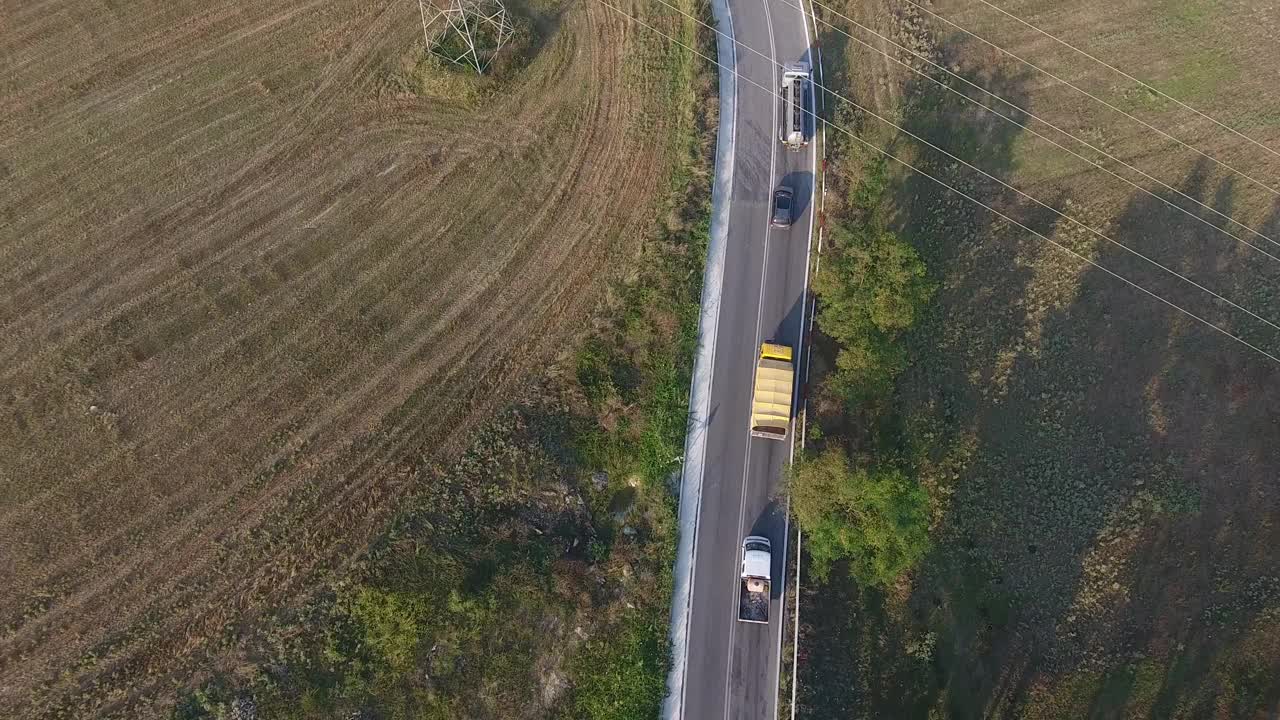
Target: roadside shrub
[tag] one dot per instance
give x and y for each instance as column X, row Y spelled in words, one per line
column 872, row 286
column 877, row 519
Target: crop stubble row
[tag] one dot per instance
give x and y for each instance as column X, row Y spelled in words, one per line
column 281, row 291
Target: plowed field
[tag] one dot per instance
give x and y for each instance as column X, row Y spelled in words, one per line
column 257, row 270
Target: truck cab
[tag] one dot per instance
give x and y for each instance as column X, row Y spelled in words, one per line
column 753, row 592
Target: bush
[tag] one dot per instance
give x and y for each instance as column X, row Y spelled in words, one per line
column 391, row 624
column 877, row 519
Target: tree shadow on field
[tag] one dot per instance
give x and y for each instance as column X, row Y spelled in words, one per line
column 969, row 589
column 1107, row 464
column 1201, row 594
column 1110, row 539
column 869, row 661
column 543, row 19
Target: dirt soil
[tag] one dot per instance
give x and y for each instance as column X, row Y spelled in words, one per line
column 258, row 265
column 1102, row 466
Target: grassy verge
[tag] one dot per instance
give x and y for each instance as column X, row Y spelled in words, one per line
column 1085, row 557
column 532, row 578
column 873, row 644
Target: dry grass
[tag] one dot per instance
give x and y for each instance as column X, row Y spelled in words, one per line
column 251, row 279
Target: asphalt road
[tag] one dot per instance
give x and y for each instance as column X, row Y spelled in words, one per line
column 732, row 666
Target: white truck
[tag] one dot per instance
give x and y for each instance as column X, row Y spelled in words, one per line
column 793, row 104
column 753, row 594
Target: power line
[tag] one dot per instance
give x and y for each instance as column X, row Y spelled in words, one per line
column 1095, row 98
column 1126, row 75
column 1033, row 116
column 1059, row 213
column 957, row 191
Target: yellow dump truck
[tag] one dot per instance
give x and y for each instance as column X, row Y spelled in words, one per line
column 771, row 406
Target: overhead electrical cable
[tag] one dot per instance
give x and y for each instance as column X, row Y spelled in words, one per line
column 971, row 198
column 1093, row 97
column 1131, row 78
column 1046, row 138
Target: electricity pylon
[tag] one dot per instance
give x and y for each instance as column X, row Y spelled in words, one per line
column 466, row 32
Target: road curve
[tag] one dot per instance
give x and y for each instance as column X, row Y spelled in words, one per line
column 731, row 668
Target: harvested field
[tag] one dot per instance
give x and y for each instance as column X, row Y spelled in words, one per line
column 260, row 264
column 1101, row 466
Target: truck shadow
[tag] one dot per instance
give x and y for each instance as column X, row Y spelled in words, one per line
column 790, row 329
column 772, row 523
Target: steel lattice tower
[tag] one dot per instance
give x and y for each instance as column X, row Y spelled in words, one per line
column 466, row 32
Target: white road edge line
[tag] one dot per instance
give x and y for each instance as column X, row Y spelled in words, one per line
column 808, row 357
column 704, row 366
column 786, row 531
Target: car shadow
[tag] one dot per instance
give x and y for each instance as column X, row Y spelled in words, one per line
column 801, row 184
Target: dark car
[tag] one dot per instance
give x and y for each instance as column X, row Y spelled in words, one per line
column 782, row 201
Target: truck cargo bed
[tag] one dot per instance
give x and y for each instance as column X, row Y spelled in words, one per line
column 753, row 600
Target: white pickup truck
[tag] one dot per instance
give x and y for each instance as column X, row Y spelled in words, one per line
column 753, row 595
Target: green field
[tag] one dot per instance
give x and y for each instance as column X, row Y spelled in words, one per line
column 1098, row 465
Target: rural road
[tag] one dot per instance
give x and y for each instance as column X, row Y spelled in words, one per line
column 732, row 667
